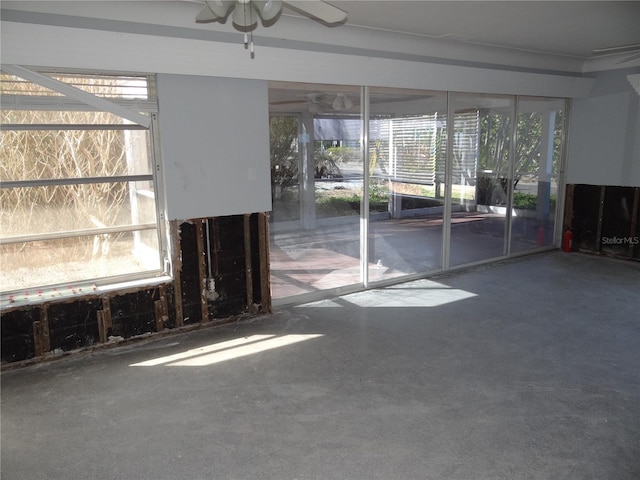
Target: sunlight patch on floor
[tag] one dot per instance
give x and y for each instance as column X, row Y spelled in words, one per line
column 431, row 298
column 220, row 352
column 421, row 293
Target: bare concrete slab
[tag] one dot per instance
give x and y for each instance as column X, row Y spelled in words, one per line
column 527, row 369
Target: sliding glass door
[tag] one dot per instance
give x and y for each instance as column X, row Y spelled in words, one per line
column 315, row 228
column 537, row 160
column 481, row 177
column 372, row 185
column 407, row 149
column 285, row 168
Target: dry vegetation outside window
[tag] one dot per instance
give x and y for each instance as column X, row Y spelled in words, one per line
column 77, row 202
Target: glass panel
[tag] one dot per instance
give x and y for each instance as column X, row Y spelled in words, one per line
column 71, row 260
column 108, row 86
column 407, row 148
column 103, row 86
column 537, row 161
column 48, row 154
column 61, row 117
column 12, row 85
column 480, row 177
column 46, row 217
column 337, row 166
column 320, row 250
column 285, row 168
column 60, row 208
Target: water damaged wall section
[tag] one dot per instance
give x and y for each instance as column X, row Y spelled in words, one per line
column 604, row 220
column 221, row 272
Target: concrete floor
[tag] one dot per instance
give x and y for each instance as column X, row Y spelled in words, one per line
column 527, row 369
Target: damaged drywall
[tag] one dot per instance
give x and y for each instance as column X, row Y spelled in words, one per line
column 220, row 271
column 604, row 220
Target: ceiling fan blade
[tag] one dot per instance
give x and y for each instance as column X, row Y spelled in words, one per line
column 206, row 15
column 268, row 10
column 628, row 59
column 317, row 97
column 617, row 49
column 287, row 102
column 319, row 10
column 634, row 80
column 214, row 10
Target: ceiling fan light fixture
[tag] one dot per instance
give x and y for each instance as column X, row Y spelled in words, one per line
column 243, row 17
column 341, row 103
column 268, row 10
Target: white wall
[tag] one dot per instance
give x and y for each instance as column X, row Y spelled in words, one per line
column 214, row 135
column 604, row 139
column 87, row 43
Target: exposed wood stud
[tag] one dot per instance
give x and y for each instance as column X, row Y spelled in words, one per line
column 568, row 207
column 42, row 342
column 247, row 262
column 102, row 331
column 634, row 220
column 37, row 339
column 106, row 308
column 161, row 309
column 160, row 318
column 44, row 318
column 598, row 246
column 176, row 263
column 202, row 269
column 104, row 320
column 265, row 282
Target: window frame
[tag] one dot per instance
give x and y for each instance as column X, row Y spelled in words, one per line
column 144, row 110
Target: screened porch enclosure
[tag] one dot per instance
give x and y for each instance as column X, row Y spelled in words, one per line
column 386, row 188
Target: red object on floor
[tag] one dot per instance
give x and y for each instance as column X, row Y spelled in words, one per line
column 567, row 240
column 540, row 239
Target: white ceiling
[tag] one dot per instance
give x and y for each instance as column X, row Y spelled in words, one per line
column 573, row 28
column 543, row 35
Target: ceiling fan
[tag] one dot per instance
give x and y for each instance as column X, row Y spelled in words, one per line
column 633, row 51
column 246, row 12
column 320, row 102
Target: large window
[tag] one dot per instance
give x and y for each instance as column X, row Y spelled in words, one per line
column 480, row 183
column 78, row 203
column 395, row 183
column 317, row 180
column 407, row 156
